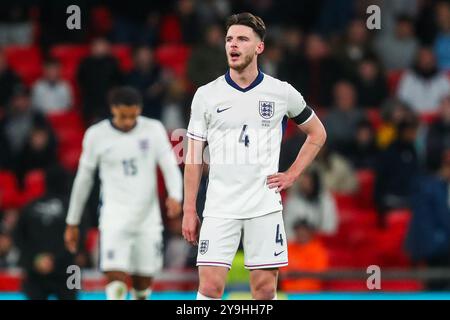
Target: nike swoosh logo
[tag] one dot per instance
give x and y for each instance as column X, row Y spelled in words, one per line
column 276, row 254
column 222, row 110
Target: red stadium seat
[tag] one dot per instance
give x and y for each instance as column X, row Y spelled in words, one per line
column 70, row 137
column 429, row 117
column 9, row 191
column 69, row 54
column 364, row 196
column 65, row 119
column 69, row 158
column 374, row 117
column 173, row 57
column 91, row 239
column 398, row 220
column 393, row 78
column 26, row 61
column 34, row 185
column 124, row 55
column 170, row 30
column 10, row 281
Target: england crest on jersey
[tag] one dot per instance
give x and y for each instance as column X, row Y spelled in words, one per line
column 143, row 145
column 266, row 109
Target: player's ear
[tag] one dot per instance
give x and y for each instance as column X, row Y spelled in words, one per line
column 260, row 48
column 113, row 110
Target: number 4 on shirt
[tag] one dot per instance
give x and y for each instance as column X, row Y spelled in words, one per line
column 243, row 138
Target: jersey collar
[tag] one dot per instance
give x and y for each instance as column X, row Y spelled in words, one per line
column 255, row 82
column 120, row 130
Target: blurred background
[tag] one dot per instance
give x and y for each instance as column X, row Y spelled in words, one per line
column 378, row 193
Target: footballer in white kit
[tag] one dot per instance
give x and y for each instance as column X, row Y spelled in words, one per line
column 242, row 125
column 127, row 154
column 243, row 128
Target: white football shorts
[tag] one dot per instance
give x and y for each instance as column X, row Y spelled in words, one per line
column 264, row 241
column 136, row 253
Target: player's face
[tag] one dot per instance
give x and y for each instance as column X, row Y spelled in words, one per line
column 242, row 45
column 124, row 117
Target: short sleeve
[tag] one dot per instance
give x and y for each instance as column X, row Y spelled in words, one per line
column 89, row 157
column 297, row 109
column 197, row 128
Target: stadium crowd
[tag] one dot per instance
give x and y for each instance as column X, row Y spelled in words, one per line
column 377, row 194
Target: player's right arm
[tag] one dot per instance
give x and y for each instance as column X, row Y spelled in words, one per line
column 197, row 132
column 80, row 191
column 192, row 176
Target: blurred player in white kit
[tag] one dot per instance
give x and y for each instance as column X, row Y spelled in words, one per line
column 127, row 150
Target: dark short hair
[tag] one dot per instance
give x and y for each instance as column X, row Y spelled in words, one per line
column 249, row 20
column 127, row 96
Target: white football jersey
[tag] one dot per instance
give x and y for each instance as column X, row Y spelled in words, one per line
column 127, row 163
column 243, row 129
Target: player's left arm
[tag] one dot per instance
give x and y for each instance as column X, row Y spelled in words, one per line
column 316, row 137
column 172, row 175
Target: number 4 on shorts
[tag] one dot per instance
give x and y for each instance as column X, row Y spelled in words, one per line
column 279, row 236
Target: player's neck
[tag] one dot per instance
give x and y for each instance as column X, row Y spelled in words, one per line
column 244, row 78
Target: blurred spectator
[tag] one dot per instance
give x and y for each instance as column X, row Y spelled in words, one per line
column 39, row 151
column 147, row 77
column 52, row 19
column 271, row 58
column 8, row 253
column 426, row 22
column 396, row 168
column 8, row 81
column 39, row 236
column 370, row 83
column 51, row 93
column 208, row 61
column 292, row 41
column 306, row 254
column 394, row 112
column 6, row 159
column 342, row 120
column 330, row 23
column 100, row 21
column 364, row 153
column 311, row 201
column 148, row 34
column 442, row 41
column 354, row 48
column 337, row 172
column 438, row 136
column 189, row 21
column 20, row 120
column 16, row 27
column 211, row 11
column 174, row 106
column 398, row 50
column 391, row 10
column 313, row 73
column 424, row 86
column 97, row 74
column 428, row 237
